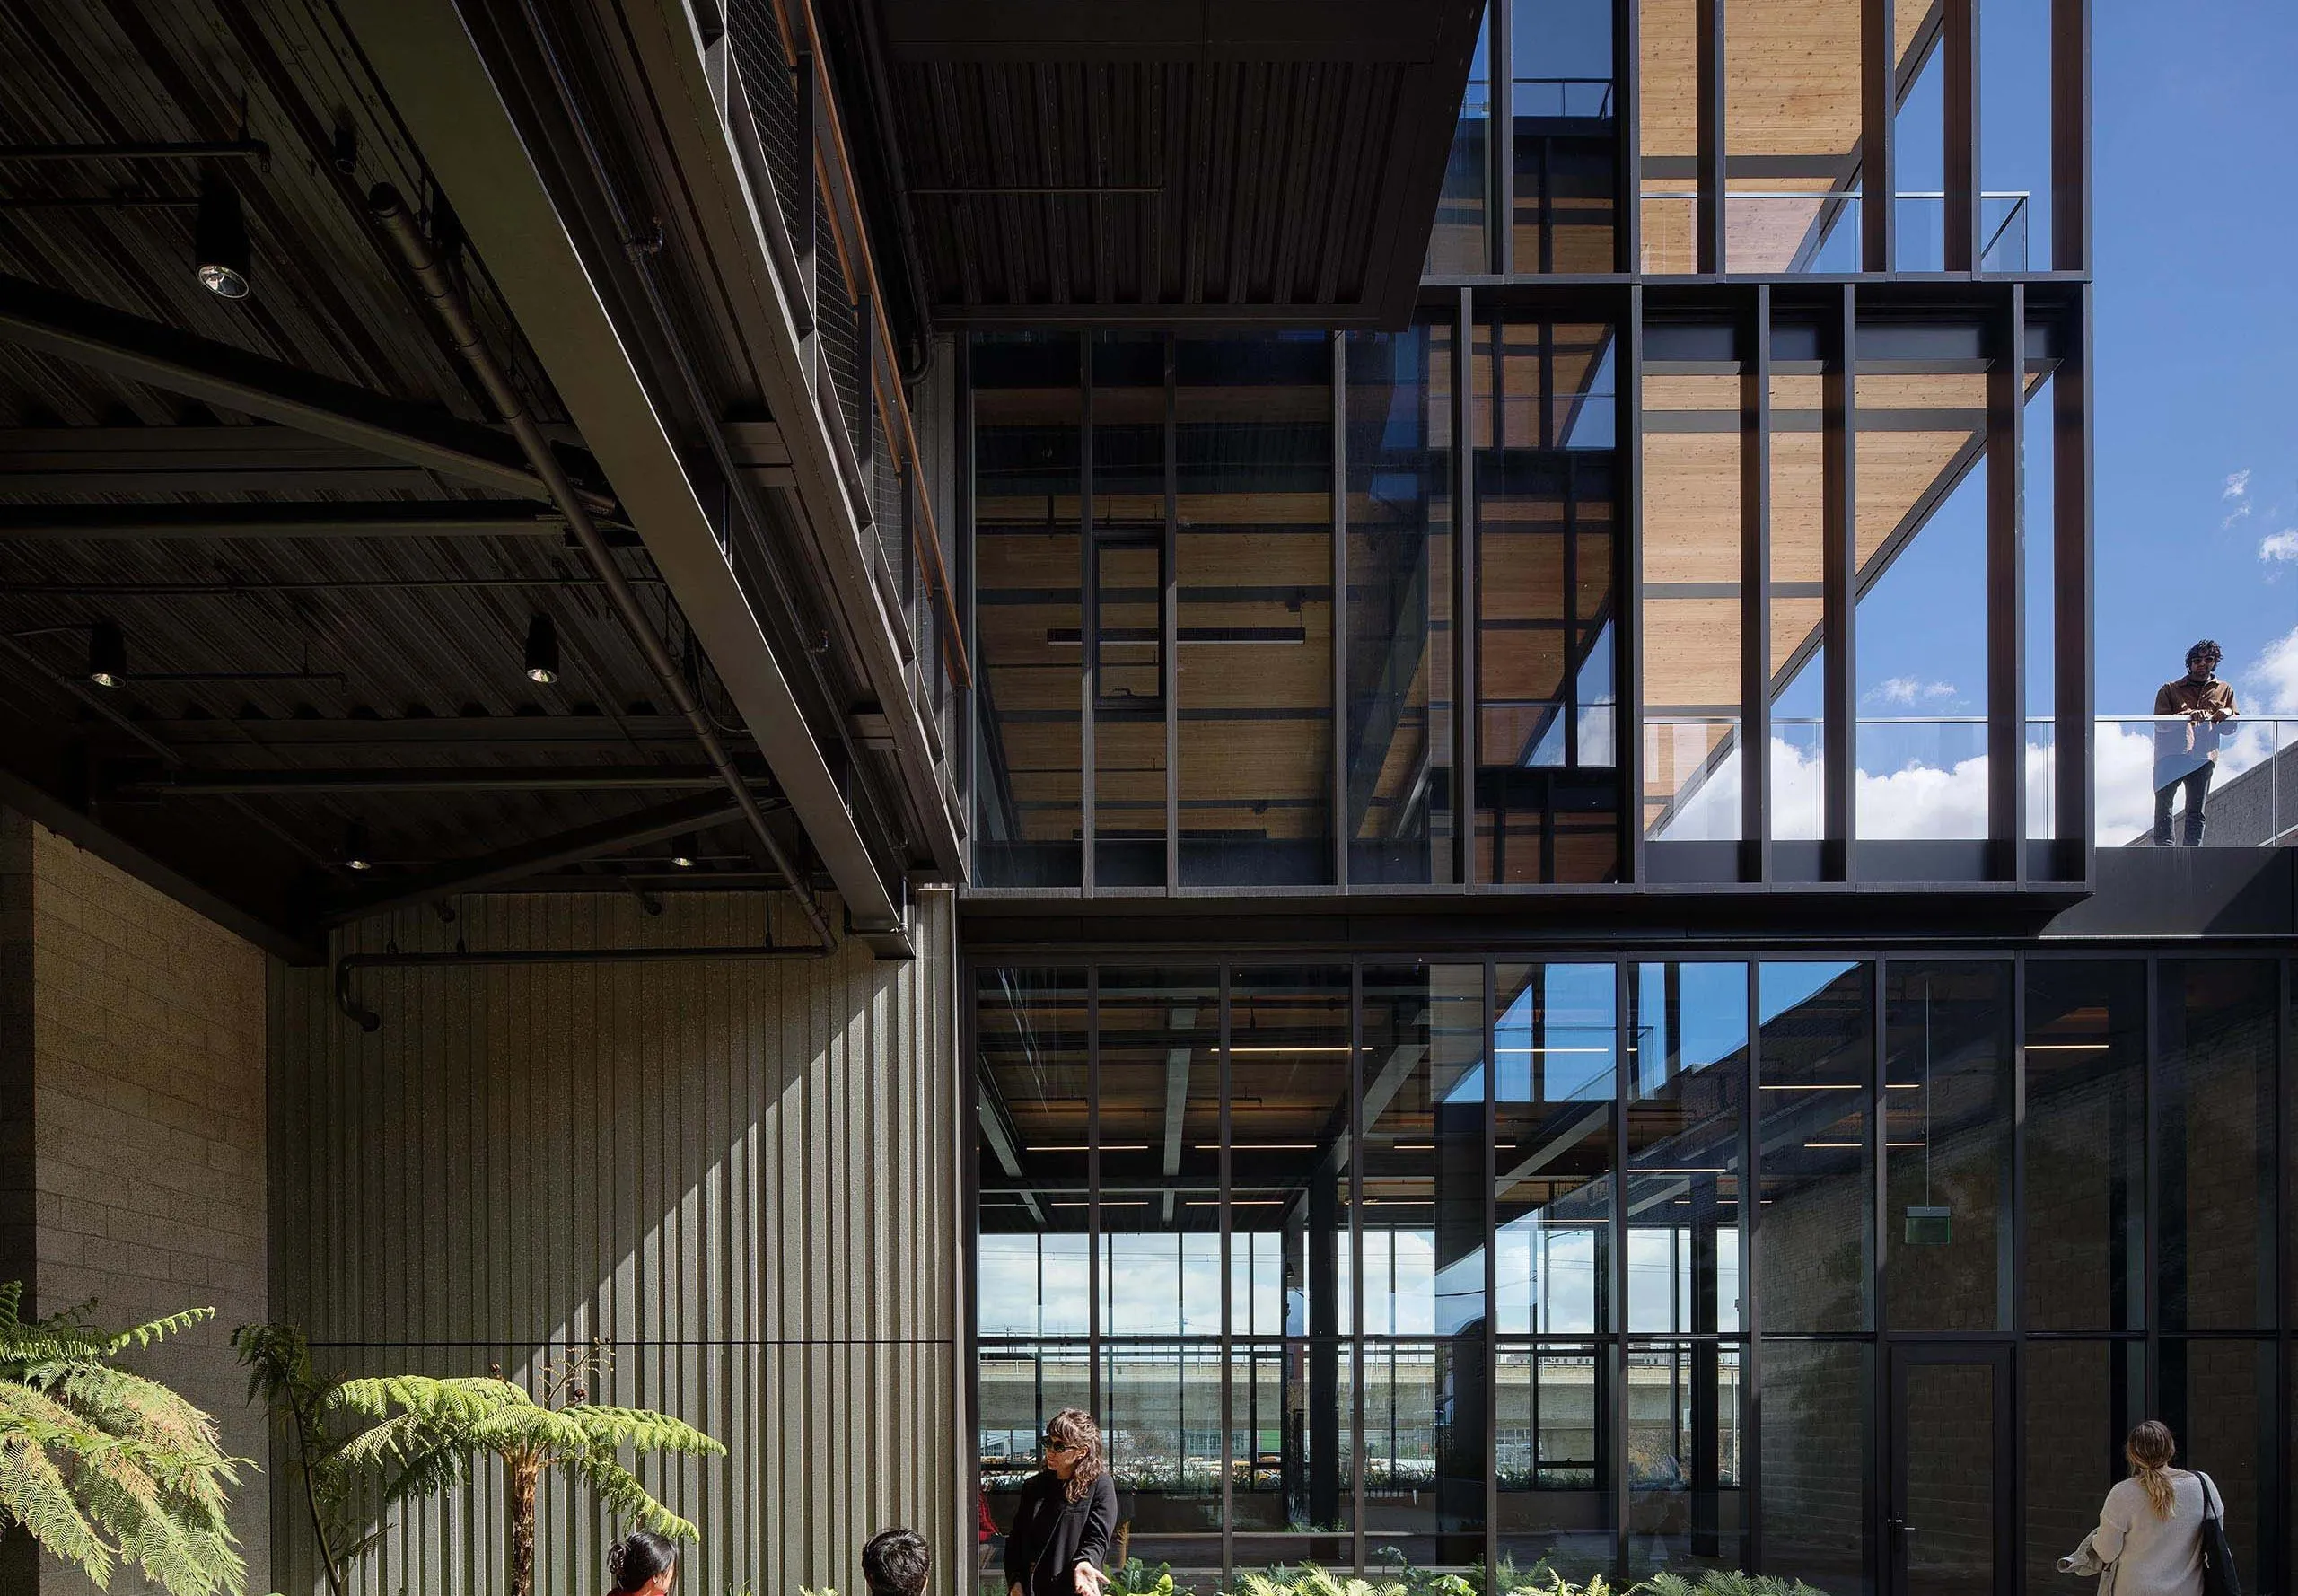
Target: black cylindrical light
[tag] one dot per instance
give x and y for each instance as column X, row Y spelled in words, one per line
column 220, row 241
column 356, row 854
column 684, row 851
column 107, row 655
column 542, row 649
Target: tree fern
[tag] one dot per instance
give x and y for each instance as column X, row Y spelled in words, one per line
column 104, row 1467
column 422, row 1434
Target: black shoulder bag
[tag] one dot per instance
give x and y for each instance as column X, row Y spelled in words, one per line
column 2218, row 1575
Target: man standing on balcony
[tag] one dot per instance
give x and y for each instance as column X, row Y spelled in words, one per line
column 2187, row 712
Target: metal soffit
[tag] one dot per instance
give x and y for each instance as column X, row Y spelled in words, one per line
column 1144, row 162
column 296, row 605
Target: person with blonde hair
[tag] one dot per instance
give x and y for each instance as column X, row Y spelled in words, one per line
column 1067, row 1513
column 2151, row 1529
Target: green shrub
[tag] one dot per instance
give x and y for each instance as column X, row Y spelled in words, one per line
column 1725, row 1582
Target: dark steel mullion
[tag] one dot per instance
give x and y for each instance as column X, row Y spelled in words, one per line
column 969, row 1265
column 1628, row 475
column 1628, row 92
column 1491, row 1271
column 2006, row 590
column 1959, row 47
column 1500, row 250
column 1877, row 162
column 1755, row 589
column 1356, row 1260
column 1751, row 1325
column 1464, row 607
column 962, row 492
column 2286, row 1031
column 2151, row 1302
column 2011, row 1310
column 1089, row 613
column 1708, row 96
column 1337, row 762
column 1884, row 1373
column 1614, row 1320
column 2074, row 729
column 1228, row 1313
column 1839, row 604
column 2070, row 134
column 1093, row 1190
column 1169, row 666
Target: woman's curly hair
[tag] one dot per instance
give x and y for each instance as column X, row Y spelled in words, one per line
column 1075, row 1427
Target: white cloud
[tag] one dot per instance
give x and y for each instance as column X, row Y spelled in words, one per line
column 2275, row 675
column 1907, row 691
column 2280, row 546
column 2238, row 486
column 2240, row 513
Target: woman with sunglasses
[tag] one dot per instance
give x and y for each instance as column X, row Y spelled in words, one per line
column 1067, row 1513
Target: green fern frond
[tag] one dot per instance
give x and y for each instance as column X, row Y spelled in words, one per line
column 621, row 1493
column 35, row 1493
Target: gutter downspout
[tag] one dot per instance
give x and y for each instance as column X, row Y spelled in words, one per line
column 390, row 212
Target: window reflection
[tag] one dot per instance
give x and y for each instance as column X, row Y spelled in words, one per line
column 1685, row 1406
column 1947, row 1109
column 1541, row 416
column 1458, row 244
column 1814, row 1251
column 1254, row 564
column 1687, row 1030
column 1422, row 1231
column 1028, row 408
column 1400, row 580
column 2084, row 1060
column 1562, row 136
column 2215, row 1135
column 1553, row 1057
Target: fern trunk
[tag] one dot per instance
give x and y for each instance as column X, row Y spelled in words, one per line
column 525, row 1469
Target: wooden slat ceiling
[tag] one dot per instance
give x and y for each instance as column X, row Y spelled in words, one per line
column 1271, row 160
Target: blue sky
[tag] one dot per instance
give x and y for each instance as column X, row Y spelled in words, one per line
column 2196, row 257
column 2195, row 348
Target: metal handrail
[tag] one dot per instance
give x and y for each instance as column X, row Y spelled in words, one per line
column 894, row 415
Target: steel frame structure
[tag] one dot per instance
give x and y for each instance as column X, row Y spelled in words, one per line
column 2148, row 1342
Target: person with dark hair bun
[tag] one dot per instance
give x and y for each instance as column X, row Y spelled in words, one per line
column 642, row 1563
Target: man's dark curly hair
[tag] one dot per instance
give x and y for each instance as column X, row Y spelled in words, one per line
column 895, row 1563
column 2205, row 650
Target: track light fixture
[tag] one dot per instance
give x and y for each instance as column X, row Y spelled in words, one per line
column 684, row 851
column 542, row 649
column 107, row 655
column 220, row 241
column 356, row 854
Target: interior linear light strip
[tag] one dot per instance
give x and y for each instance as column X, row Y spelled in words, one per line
column 1828, row 1144
column 1255, row 1146
column 2068, row 1046
column 1106, row 1147
column 1335, row 1048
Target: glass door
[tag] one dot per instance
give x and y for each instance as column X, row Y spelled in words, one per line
column 1949, row 1519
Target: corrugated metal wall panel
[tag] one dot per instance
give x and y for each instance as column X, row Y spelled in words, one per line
column 741, row 1176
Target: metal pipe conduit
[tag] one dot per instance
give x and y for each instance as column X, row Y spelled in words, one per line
column 397, row 223
column 369, row 1021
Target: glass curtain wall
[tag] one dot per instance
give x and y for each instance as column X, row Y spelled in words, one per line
column 1453, row 1264
column 1189, row 681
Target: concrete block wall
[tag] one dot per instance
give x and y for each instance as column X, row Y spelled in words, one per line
column 132, row 1085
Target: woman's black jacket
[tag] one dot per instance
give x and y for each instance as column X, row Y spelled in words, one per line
column 1051, row 1534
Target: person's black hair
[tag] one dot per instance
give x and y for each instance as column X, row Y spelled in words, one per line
column 637, row 1557
column 2205, row 650
column 895, row 1563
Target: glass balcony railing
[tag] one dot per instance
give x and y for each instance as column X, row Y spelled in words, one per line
column 1787, row 232
column 1925, row 778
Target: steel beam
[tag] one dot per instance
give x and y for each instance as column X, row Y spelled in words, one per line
column 545, row 853
column 54, row 324
column 2006, row 592
column 503, row 778
column 426, row 59
column 447, row 518
column 523, row 731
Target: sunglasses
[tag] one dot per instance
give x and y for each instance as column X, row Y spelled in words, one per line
column 1055, row 1444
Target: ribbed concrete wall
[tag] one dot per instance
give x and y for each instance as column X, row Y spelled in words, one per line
column 741, row 1177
